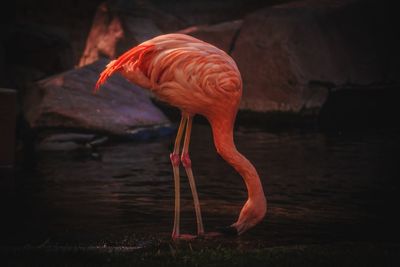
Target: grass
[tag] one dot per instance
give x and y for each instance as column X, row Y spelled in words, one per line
column 191, row 254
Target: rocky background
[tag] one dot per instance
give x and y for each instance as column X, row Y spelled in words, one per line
column 334, row 61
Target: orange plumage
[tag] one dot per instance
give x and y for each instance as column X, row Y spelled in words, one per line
column 197, row 78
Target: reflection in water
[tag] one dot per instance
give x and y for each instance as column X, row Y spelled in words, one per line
column 319, row 188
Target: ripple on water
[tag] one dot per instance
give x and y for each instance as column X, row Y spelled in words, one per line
column 319, row 187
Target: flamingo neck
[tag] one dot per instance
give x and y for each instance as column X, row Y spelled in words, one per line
column 223, row 139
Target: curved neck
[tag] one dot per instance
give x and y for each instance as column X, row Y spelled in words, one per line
column 223, row 139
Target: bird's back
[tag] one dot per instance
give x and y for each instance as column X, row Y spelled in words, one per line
column 180, row 70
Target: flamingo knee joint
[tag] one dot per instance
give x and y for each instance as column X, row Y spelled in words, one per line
column 174, row 159
column 186, row 162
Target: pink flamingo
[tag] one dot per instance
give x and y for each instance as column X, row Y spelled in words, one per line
column 197, row 78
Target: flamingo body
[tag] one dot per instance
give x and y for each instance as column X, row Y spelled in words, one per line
column 185, row 72
column 197, row 78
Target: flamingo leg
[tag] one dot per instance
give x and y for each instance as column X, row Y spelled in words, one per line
column 186, row 162
column 174, row 156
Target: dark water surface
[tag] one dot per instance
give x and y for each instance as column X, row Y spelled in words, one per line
column 320, row 188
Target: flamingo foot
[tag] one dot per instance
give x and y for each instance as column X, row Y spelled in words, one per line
column 189, row 237
column 186, row 237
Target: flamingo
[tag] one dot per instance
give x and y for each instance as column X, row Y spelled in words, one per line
column 197, row 78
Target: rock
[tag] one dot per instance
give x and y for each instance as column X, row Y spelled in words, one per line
column 70, row 142
column 137, row 30
column 59, row 146
column 142, row 12
column 291, row 55
column 118, row 26
column 361, row 108
column 71, row 19
column 34, row 51
column 209, row 12
column 104, row 34
column 66, row 137
column 66, row 101
column 138, row 21
column 8, row 117
column 3, row 69
column 221, row 35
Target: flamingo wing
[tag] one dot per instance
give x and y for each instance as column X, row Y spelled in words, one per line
column 135, row 58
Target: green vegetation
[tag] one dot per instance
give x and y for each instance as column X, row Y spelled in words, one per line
column 190, row 254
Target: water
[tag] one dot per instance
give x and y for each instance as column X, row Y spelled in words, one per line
column 320, row 188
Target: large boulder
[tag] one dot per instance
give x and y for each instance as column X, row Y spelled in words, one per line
column 43, row 37
column 291, row 55
column 67, row 101
column 221, row 35
column 120, row 25
column 33, row 51
column 103, row 37
column 8, row 116
column 138, row 21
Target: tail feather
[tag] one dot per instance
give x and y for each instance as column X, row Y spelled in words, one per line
column 135, row 55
